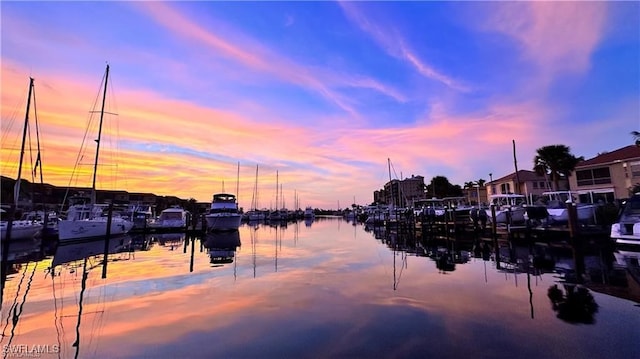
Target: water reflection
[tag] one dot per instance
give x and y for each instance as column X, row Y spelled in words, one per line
column 574, row 305
column 308, row 221
column 69, row 261
column 332, row 293
column 171, row 241
column 222, row 247
column 69, row 255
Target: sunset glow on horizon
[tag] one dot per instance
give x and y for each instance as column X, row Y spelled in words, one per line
column 317, row 94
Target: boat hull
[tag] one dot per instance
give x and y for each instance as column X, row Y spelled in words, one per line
column 223, row 221
column 91, row 228
column 502, row 216
column 21, row 230
column 585, row 214
column 626, row 233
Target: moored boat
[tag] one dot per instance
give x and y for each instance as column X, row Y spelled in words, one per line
column 21, row 229
column 509, row 208
column 627, row 229
column 308, row 212
column 223, row 214
column 172, row 217
column 558, row 211
column 85, row 218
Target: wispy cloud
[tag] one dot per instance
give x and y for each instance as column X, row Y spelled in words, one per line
column 395, row 45
column 556, row 36
column 196, row 96
column 255, row 56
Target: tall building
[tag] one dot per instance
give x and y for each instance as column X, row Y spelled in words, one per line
column 402, row 193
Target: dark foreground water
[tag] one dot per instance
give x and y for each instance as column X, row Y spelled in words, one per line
column 327, row 289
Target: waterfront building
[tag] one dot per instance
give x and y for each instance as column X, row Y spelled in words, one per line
column 607, row 176
column 524, row 182
column 403, row 193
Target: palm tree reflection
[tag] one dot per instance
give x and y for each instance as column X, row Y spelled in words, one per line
column 574, row 305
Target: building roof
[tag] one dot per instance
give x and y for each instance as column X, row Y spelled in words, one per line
column 523, row 175
column 621, row 154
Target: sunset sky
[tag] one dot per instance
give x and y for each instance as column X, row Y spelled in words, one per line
column 322, row 93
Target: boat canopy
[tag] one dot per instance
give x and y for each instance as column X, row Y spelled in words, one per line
column 224, row 197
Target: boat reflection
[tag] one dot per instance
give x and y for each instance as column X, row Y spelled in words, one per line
column 70, row 254
column 83, row 256
column 222, row 247
column 308, row 221
column 170, row 240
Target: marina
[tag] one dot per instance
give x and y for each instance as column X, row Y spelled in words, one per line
column 322, row 287
column 320, row 180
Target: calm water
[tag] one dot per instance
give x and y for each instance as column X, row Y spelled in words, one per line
column 327, row 289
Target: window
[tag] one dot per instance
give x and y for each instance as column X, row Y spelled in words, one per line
column 635, row 169
column 505, row 188
column 535, row 185
column 593, row 176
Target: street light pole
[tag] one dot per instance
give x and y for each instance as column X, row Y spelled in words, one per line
column 491, row 182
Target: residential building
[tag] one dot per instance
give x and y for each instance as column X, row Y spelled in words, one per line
column 524, row 182
column 403, row 193
column 608, row 176
column 475, row 194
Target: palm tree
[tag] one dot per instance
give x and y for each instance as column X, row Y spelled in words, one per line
column 479, row 183
column 636, row 137
column 468, row 185
column 555, row 160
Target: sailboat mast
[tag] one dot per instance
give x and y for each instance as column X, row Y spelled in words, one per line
column 238, row 182
column 95, row 163
column 24, row 137
column 255, row 192
column 515, row 164
column 393, row 202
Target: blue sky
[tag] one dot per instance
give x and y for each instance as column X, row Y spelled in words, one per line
column 322, row 92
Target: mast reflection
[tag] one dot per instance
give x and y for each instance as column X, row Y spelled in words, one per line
column 83, row 257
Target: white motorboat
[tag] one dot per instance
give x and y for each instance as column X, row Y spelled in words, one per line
column 308, row 212
column 627, row 229
column 558, row 211
column 172, row 217
column 376, row 215
column 509, row 208
column 223, row 214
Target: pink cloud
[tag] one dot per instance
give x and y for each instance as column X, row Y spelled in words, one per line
column 253, row 55
column 558, row 36
column 175, row 147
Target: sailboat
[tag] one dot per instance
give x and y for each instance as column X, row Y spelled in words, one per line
column 86, row 219
column 20, row 229
column 255, row 214
column 275, row 215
